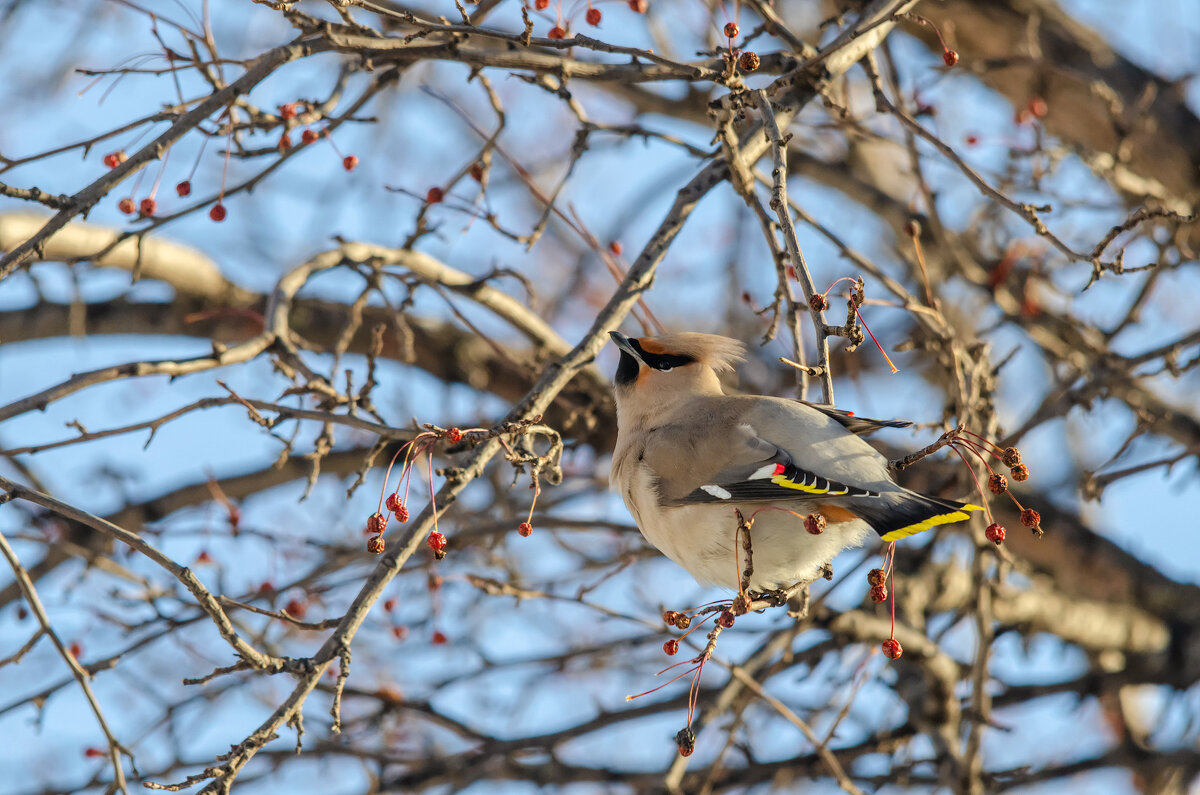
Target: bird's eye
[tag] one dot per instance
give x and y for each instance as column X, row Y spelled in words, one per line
column 664, row 366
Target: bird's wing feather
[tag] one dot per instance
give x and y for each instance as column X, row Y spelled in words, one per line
column 721, row 454
column 860, row 426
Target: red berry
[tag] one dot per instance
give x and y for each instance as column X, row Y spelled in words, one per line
column 876, row 576
column 22, row 613
column 309, row 135
column 725, row 620
column 392, row 502
column 217, row 213
column 148, row 206
column 349, row 162
column 592, row 16
column 399, row 633
column 92, row 753
column 476, row 172
column 541, row 5
column 285, row 142
column 525, row 529
column 731, row 30
column 814, row 523
column 686, row 740
column 76, row 650
column 892, row 649
column 114, row 159
column 184, row 188
column 439, row 638
column 1020, row 473
column 671, row 647
column 203, row 558
column 376, row 545
column 995, row 533
column 375, row 524
column 437, row 543
column 950, row 58
column 972, row 140
column 1038, row 107
column 818, row 302
column 454, row 435
column 287, row 111
column 126, row 206
column 670, row 617
column 1030, row 518
column 638, row 6
column 296, row 609
column 435, row 194
column 401, row 514
column 748, row 61
column 997, row 484
column 879, row 593
column 616, row 248
column 556, row 32
column 266, row 586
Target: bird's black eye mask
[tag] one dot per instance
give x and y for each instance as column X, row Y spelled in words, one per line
column 627, row 370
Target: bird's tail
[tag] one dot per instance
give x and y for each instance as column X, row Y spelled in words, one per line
column 904, row 513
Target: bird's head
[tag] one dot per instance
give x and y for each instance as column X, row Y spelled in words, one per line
column 658, row 372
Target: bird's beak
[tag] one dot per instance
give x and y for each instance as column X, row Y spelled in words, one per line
column 626, row 345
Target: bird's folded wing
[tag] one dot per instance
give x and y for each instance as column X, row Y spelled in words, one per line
column 751, row 469
column 859, row 426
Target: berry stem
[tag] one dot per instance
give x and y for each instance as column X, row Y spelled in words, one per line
column 983, row 498
column 877, row 345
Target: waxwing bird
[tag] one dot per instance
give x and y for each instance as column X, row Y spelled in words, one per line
column 687, row 455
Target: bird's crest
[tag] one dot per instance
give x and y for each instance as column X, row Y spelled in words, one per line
column 722, row 354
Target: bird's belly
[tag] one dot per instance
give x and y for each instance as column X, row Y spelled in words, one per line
column 700, row 538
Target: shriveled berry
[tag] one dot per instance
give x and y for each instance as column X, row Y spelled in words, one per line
column 682, row 621
column 671, row 647
column 972, row 140
column 375, row 545
column 1020, row 473
column 892, row 649
column 476, row 171
column 670, row 617
column 616, row 248
column 22, row 613
column 184, row 188
column 454, row 435
column 296, row 609
column 814, row 523
column 818, row 302
column 148, row 206
column 76, row 650
column 437, row 543
column 391, row 603
column 731, row 30
column 541, row 5
column 997, row 484
column 217, row 213
column 392, row 502
column 436, row 194
column 876, row 576
column 525, row 529
column 433, row 582
column 638, row 6
column 879, row 593
column 685, row 739
column 439, row 638
column 287, row 111
column 93, row 753
column 203, row 559
column 401, row 514
column 593, row 16
column 995, row 533
column 285, row 142
column 1012, row 457
column 400, row 632
column 556, row 32
column 1030, row 518
column 950, row 57
column 748, row 61
column 725, row 620
column 309, row 136
column 126, row 206
column 375, row 524
column 1038, row 107
column 912, row 227
column 349, row 162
